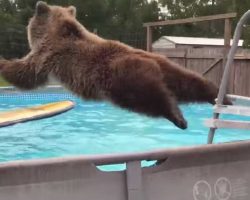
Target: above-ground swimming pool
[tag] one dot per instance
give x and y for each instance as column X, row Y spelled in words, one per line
column 97, row 128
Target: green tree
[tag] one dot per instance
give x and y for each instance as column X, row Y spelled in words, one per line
column 177, row 9
column 12, row 40
column 120, row 19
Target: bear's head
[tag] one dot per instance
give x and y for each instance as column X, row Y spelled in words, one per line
column 52, row 21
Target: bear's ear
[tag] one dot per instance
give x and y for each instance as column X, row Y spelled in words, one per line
column 42, row 8
column 72, row 10
column 70, row 29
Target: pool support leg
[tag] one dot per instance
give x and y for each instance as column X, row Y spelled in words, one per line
column 134, row 180
column 212, row 131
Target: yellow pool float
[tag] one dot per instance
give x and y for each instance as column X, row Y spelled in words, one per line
column 8, row 118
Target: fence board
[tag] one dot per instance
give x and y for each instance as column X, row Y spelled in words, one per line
column 231, row 82
column 180, row 61
column 199, row 60
column 172, row 53
column 242, row 80
column 204, row 53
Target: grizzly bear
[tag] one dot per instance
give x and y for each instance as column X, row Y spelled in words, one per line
column 99, row 69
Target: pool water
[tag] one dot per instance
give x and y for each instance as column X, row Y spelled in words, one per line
column 99, row 128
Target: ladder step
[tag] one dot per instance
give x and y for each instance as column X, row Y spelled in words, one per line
column 236, row 110
column 218, row 123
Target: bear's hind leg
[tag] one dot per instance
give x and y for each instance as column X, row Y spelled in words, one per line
column 147, row 95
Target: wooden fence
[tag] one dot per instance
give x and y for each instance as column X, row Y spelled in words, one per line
column 210, row 64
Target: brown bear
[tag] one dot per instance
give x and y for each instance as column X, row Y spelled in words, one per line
column 99, row 69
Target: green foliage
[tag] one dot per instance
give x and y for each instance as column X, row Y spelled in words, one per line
column 3, row 82
column 120, row 19
column 177, row 9
column 113, row 19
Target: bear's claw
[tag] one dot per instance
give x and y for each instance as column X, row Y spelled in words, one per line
column 181, row 123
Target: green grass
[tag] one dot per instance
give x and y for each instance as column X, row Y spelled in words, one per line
column 3, row 82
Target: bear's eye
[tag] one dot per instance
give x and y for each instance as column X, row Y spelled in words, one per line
column 69, row 29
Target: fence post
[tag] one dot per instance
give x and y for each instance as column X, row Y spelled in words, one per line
column 149, row 38
column 227, row 33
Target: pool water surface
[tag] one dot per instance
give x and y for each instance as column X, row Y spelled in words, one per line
column 99, row 128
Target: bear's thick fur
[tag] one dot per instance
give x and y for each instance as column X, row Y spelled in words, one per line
column 99, row 69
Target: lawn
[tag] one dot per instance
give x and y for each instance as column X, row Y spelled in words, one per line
column 3, row 82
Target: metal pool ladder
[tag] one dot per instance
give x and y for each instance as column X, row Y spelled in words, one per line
column 219, row 108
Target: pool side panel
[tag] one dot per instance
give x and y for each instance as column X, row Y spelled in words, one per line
column 210, row 171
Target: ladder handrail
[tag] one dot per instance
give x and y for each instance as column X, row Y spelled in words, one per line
column 225, row 77
column 230, row 57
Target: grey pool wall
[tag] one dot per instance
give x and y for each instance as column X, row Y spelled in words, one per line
column 218, row 171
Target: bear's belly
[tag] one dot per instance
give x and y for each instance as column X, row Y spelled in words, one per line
column 88, row 91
